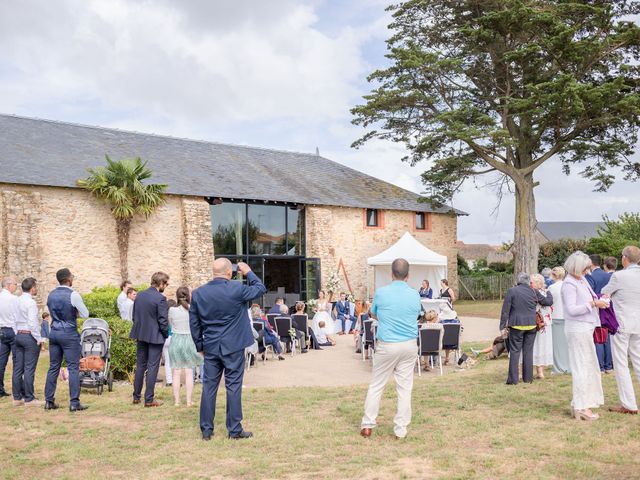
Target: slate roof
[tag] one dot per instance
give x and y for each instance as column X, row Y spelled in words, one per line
column 553, row 231
column 44, row 152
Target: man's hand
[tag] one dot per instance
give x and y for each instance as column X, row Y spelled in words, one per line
column 243, row 268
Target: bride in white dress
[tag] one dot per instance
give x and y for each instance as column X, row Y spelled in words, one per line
column 323, row 314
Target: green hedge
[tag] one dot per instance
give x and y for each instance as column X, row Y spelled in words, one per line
column 101, row 303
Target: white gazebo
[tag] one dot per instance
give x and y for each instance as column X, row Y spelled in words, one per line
column 425, row 264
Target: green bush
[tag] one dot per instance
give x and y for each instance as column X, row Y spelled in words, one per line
column 101, row 303
column 554, row 254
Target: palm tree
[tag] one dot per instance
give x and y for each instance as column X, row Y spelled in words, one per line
column 120, row 185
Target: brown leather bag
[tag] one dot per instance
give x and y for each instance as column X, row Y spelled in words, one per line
column 92, row 362
column 539, row 322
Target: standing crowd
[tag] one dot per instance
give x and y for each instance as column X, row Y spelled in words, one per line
column 581, row 319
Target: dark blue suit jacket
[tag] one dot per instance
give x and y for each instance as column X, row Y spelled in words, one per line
column 343, row 309
column 150, row 322
column 598, row 279
column 219, row 316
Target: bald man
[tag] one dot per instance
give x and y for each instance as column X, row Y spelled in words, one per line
column 221, row 330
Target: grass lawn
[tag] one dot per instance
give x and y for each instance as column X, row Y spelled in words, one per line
column 465, row 425
column 481, row 308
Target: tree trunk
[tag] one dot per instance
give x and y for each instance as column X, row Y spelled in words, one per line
column 525, row 246
column 123, row 226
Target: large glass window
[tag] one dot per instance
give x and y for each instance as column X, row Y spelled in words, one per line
column 295, row 231
column 267, row 230
column 228, row 223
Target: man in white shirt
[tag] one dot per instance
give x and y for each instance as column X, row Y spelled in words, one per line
column 123, row 307
column 26, row 349
column 7, row 326
column 624, row 290
column 126, row 313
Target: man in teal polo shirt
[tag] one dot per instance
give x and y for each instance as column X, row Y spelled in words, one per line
column 396, row 307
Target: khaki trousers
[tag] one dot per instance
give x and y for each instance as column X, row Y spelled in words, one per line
column 626, row 346
column 397, row 358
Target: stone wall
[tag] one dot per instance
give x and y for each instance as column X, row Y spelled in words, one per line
column 43, row 229
column 339, row 233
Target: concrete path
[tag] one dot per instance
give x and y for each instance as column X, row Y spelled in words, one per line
column 340, row 365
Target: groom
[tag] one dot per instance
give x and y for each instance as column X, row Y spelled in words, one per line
column 344, row 313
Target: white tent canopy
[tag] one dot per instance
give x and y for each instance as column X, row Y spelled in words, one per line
column 425, row 264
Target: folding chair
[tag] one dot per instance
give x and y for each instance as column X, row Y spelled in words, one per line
column 368, row 338
column 300, row 322
column 451, row 338
column 283, row 325
column 271, row 317
column 430, row 343
column 258, row 326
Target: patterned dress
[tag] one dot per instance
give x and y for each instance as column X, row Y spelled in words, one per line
column 182, row 350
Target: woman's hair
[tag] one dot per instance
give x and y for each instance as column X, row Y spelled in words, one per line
column 577, row 263
column 431, row 316
column 445, row 282
column 172, row 303
column 183, row 297
column 558, row 273
column 322, row 292
column 299, row 307
column 426, row 281
column 256, row 311
column 45, row 315
column 538, row 280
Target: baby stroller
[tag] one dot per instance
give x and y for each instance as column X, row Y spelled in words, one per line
column 95, row 341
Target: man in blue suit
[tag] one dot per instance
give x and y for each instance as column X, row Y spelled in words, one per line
column 344, row 315
column 598, row 279
column 150, row 329
column 221, row 330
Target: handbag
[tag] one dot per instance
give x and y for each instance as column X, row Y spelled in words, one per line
column 600, row 335
column 93, row 363
column 539, row 322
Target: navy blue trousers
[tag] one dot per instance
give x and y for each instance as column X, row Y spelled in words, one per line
column 605, row 359
column 148, row 357
column 26, row 352
column 7, row 338
column 215, row 364
column 64, row 342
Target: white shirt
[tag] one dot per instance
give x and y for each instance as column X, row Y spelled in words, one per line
column 126, row 312
column 624, row 289
column 8, row 306
column 179, row 320
column 27, row 316
column 122, row 306
column 321, row 335
column 76, row 301
column 555, row 289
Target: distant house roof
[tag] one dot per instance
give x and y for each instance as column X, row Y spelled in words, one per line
column 472, row 252
column 552, row 231
column 45, row 152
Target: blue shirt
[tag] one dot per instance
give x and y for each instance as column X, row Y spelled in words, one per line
column 397, row 307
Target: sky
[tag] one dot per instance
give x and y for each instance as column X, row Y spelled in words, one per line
column 276, row 74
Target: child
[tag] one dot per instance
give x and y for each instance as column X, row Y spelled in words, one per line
column 323, row 340
column 45, row 328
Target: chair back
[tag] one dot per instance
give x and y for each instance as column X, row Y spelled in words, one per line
column 257, row 326
column 299, row 322
column 451, row 337
column 272, row 318
column 429, row 340
column 369, row 334
column 283, row 325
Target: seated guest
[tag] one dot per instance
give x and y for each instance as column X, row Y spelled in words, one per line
column 277, row 308
column 425, row 291
column 267, row 333
column 497, row 348
column 127, row 308
column 447, row 315
column 300, row 335
column 429, row 321
column 323, row 339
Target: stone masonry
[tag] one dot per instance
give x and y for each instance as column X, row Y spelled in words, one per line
column 43, row 229
column 335, row 233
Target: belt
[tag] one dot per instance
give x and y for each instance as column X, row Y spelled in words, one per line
column 25, row 331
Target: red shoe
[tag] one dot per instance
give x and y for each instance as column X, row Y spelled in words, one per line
column 622, row 409
column 366, row 432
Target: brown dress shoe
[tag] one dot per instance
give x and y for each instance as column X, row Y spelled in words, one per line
column 622, row 409
column 155, row 403
column 136, row 402
column 366, row 432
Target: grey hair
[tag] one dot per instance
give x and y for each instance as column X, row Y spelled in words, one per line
column 523, row 278
column 577, row 263
column 558, row 273
column 8, row 281
column 546, row 271
column 632, row 253
column 538, row 280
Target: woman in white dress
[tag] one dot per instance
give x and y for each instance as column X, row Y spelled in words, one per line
column 323, row 313
column 543, row 346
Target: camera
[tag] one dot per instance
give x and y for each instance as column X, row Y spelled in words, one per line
column 234, row 267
